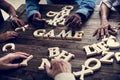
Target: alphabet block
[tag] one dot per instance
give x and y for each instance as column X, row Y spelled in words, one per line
column 89, row 50
column 65, row 56
column 53, row 52
column 97, row 66
column 103, row 46
column 63, row 34
column 112, row 44
column 44, row 61
column 78, row 35
column 117, row 56
column 25, row 62
column 39, row 33
column 11, row 45
column 50, row 34
column 107, row 57
column 83, row 72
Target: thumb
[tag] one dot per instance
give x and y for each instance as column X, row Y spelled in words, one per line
column 48, row 70
column 12, row 66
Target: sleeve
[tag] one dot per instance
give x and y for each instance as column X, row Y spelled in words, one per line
column 108, row 3
column 86, row 7
column 32, row 6
column 64, row 76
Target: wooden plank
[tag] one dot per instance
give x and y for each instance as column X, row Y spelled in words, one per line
column 39, row 48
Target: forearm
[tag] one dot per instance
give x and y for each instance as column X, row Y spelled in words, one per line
column 7, row 7
column 104, row 12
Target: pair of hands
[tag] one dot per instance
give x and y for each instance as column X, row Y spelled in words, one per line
column 11, row 34
column 57, row 65
column 72, row 21
column 105, row 30
column 6, row 61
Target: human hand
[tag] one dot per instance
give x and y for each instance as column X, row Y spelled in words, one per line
column 6, row 61
column 57, row 67
column 37, row 21
column 8, row 35
column 73, row 21
column 104, row 30
column 17, row 22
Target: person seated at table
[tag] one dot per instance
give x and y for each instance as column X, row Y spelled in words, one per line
column 8, row 8
column 105, row 28
column 61, row 70
column 85, row 8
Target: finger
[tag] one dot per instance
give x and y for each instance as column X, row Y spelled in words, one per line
column 69, row 25
column 21, row 23
column 112, row 33
column 106, row 31
column 74, row 22
column 36, row 19
column 68, row 20
column 64, row 66
column 36, row 16
column 78, row 23
column 95, row 32
column 102, row 33
column 16, row 56
column 11, row 66
column 14, row 33
column 111, row 28
column 11, row 37
column 48, row 70
column 98, row 34
column 17, row 23
column 22, row 53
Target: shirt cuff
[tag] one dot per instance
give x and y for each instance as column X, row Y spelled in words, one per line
column 31, row 13
column 64, row 76
column 107, row 3
column 83, row 12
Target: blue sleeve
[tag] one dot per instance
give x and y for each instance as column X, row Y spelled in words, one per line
column 86, row 7
column 32, row 6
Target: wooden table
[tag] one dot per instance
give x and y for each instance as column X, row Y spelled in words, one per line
column 39, row 48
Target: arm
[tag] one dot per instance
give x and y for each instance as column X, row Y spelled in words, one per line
column 7, row 8
column 105, row 28
column 86, row 7
column 32, row 7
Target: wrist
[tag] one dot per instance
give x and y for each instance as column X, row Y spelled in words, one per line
column 13, row 16
column 104, row 21
column 83, row 17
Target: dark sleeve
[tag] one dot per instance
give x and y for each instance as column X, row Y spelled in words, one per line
column 32, row 6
